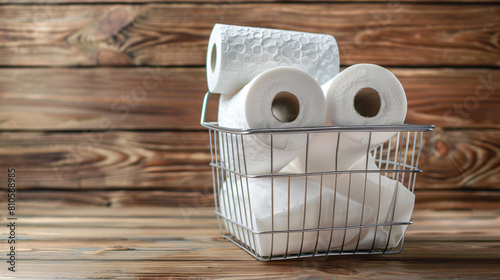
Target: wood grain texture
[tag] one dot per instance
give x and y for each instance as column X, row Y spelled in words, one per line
column 461, row 159
column 219, row 2
column 173, row 34
column 458, row 157
column 100, row 242
column 171, row 98
column 147, row 198
column 183, row 223
column 345, row 268
column 96, row 160
column 138, row 250
column 127, row 202
column 103, row 98
column 452, row 98
column 194, row 232
column 456, row 200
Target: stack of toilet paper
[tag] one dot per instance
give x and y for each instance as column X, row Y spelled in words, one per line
column 279, row 79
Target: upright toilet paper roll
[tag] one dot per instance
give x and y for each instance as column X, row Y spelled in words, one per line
column 282, row 97
column 363, row 94
column 236, row 54
column 366, row 94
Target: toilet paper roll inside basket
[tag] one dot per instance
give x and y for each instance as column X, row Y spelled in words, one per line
column 366, row 94
column 237, row 54
column 363, row 94
column 282, row 97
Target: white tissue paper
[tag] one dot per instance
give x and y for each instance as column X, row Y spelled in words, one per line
column 392, row 203
column 252, row 204
column 389, row 200
column 237, row 54
column 323, row 155
column 282, row 97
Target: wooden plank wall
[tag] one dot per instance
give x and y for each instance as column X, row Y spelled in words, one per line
column 100, row 99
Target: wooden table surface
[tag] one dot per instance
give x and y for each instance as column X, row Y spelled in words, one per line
column 58, row 241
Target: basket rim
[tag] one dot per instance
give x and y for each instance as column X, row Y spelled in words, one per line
column 322, row 129
column 315, row 129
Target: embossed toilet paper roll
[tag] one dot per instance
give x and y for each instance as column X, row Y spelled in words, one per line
column 286, row 205
column 236, row 54
column 366, row 94
column 281, row 97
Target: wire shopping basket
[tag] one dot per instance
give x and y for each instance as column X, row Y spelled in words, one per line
column 352, row 195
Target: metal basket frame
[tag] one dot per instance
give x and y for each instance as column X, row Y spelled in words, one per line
column 402, row 161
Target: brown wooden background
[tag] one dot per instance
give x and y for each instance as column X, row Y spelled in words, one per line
column 100, row 99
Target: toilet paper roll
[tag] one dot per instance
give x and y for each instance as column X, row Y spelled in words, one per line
column 282, row 97
column 363, row 94
column 366, row 94
column 289, row 204
column 237, row 54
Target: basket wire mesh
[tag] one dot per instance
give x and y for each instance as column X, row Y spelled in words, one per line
column 299, row 228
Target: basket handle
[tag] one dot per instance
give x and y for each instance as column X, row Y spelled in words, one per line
column 204, row 108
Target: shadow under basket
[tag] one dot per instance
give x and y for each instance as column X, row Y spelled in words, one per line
column 276, row 211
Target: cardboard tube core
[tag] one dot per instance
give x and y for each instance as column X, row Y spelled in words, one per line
column 367, row 102
column 213, row 60
column 285, row 107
